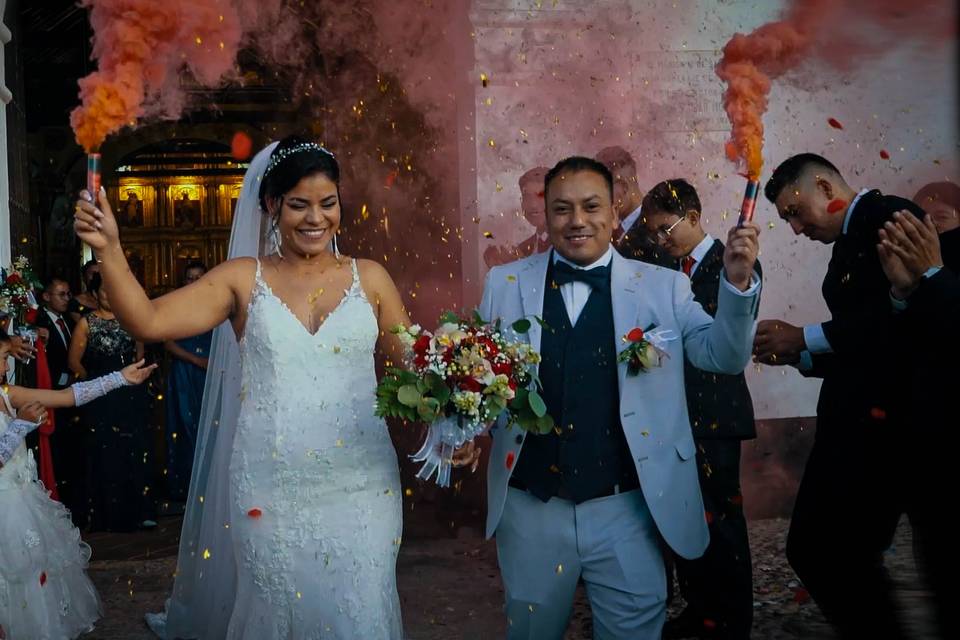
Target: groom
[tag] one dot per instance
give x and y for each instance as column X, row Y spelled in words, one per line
column 594, row 498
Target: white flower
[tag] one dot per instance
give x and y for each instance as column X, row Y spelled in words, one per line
column 467, row 402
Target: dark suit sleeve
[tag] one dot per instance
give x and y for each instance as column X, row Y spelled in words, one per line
column 822, row 365
column 937, row 296
column 862, row 331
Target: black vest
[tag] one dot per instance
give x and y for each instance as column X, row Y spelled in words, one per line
column 587, row 454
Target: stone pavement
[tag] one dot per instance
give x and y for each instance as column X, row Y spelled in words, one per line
column 450, row 587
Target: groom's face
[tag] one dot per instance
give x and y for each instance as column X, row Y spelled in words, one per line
column 580, row 216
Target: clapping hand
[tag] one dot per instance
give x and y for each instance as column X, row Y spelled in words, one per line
column 908, row 249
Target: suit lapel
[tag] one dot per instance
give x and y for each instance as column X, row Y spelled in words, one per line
column 532, row 284
column 625, row 297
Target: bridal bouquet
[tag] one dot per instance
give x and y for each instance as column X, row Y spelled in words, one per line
column 460, row 379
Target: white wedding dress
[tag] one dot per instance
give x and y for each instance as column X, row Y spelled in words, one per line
column 293, row 521
column 45, row 593
column 316, row 504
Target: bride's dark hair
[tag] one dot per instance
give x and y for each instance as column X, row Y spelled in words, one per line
column 294, row 159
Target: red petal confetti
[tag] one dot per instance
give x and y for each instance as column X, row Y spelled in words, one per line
column 635, row 335
column 878, row 414
column 241, row 147
column 835, row 205
column 709, row 516
column 800, row 595
column 254, row 513
column 884, row 154
column 43, row 578
column 709, row 624
column 833, row 122
column 511, row 456
column 391, row 178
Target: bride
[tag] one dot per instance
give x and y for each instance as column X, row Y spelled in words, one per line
column 294, row 520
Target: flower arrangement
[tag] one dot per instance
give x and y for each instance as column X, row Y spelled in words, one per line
column 16, row 288
column 645, row 349
column 460, row 379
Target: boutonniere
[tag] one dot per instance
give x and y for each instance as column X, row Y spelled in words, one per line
column 645, row 349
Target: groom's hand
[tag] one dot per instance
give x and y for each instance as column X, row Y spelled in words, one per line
column 740, row 255
column 467, row 456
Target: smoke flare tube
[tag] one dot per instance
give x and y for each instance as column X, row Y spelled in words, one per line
column 93, row 175
column 749, row 201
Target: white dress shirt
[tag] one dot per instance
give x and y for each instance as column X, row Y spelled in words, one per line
column 627, row 223
column 700, row 252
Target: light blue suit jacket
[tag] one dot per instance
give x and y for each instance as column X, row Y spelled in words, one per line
column 653, row 407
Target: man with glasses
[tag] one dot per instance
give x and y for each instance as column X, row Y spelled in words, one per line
column 718, row 587
column 66, row 443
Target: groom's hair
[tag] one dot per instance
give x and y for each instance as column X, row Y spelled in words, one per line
column 790, row 171
column 576, row 164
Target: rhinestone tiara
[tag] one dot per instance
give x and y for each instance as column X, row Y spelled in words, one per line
column 283, row 154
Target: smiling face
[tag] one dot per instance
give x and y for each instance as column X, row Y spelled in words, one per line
column 580, row 218
column 309, row 215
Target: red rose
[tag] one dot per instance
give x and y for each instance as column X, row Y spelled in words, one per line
column 489, row 346
column 505, row 368
column 512, row 385
column 420, row 360
column 14, row 279
column 635, row 335
column 421, row 345
column 470, row 384
column 31, row 316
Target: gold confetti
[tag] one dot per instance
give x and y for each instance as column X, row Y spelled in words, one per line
column 559, row 569
column 491, row 143
column 488, row 234
column 206, row 554
column 511, row 278
column 199, row 40
column 484, row 79
column 339, row 442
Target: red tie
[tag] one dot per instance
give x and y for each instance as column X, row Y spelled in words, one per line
column 63, row 328
column 687, row 265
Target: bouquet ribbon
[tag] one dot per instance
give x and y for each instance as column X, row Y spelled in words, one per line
column 444, row 437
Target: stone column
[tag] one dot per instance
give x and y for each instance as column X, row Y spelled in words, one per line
column 5, row 98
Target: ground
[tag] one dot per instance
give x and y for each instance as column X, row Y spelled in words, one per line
column 450, row 587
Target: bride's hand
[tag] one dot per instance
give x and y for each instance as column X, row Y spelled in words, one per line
column 468, row 456
column 95, row 225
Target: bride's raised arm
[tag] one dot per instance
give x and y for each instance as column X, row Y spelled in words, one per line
column 388, row 306
column 185, row 312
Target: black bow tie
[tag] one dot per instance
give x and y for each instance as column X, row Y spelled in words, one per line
column 598, row 277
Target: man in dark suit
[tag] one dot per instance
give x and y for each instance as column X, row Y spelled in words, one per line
column 925, row 289
column 718, row 586
column 853, row 489
column 66, row 443
column 630, row 237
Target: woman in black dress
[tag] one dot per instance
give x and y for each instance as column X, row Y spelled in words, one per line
column 115, row 426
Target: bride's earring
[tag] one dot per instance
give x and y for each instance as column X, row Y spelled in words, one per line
column 277, row 238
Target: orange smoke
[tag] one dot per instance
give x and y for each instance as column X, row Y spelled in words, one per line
column 140, row 47
column 749, row 63
column 838, row 32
